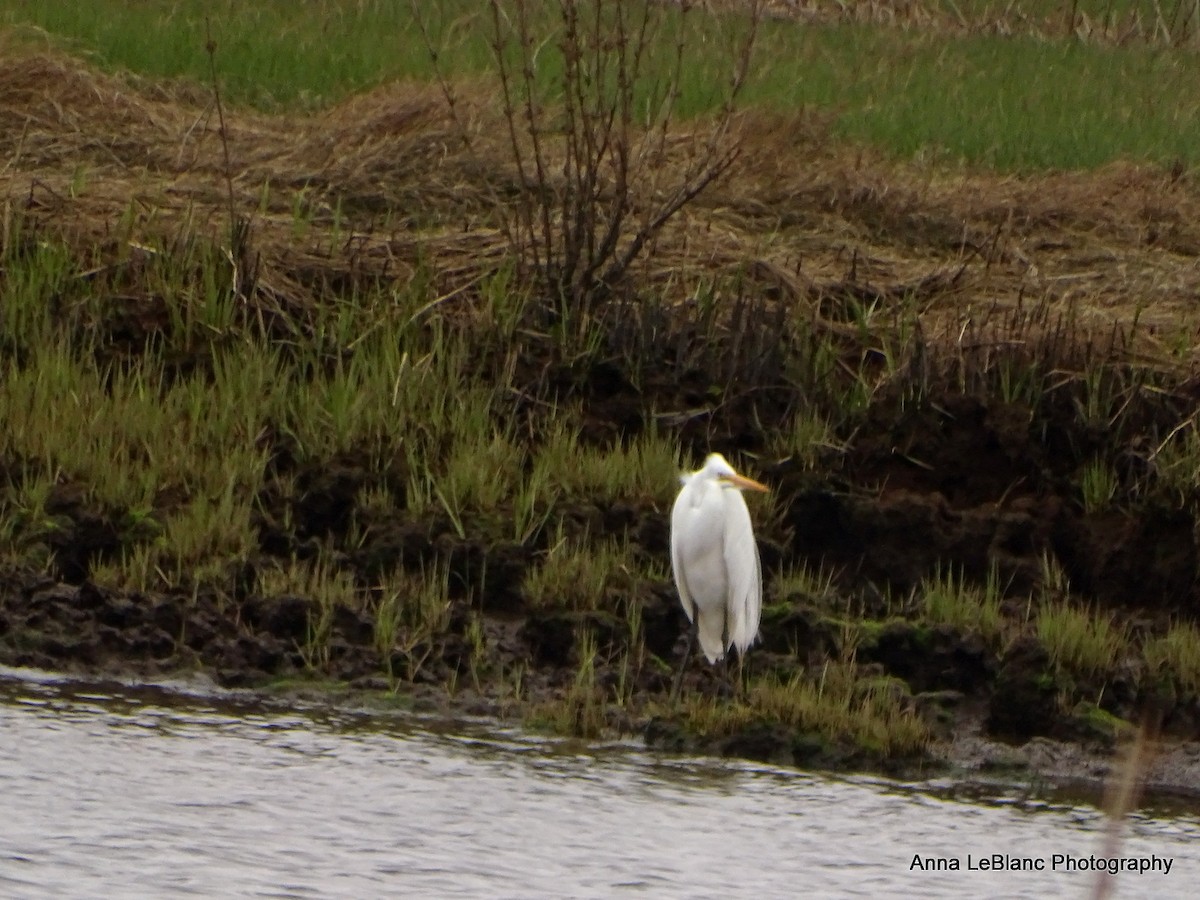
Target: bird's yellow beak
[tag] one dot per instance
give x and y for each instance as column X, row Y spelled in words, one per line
column 743, row 483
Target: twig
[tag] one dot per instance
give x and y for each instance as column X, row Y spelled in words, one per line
column 210, row 47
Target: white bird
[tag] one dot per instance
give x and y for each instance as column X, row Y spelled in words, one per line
column 715, row 560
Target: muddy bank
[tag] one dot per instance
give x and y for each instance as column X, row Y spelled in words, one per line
column 893, row 352
column 959, row 481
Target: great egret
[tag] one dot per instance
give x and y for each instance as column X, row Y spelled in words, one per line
column 715, row 560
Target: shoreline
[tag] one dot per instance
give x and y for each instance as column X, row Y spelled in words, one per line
column 972, row 766
column 383, row 454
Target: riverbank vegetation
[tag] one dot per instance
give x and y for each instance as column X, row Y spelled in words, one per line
column 368, row 375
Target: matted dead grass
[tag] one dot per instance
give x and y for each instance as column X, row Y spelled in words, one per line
column 389, row 181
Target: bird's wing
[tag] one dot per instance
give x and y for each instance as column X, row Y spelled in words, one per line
column 678, row 521
column 745, row 572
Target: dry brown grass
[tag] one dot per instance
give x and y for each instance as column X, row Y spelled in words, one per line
column 386, row 185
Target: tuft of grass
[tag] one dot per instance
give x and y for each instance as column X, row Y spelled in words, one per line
column 799, row 580
column 1098, row 486
column 533, row 504
column 1176, row 654
column 209, row 529
column 577, row 574
column 26, row 525
column 1176, row 461
column 947, row 598
column 480, row 475
column 1054, row 581
column 580, row 712
column 644, row 470
column 804, row 439
column 838, row 705
column 325, row 586
column 411, row 611
column 32, row 282
column 1081, row 641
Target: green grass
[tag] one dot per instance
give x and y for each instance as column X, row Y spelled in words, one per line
column 645, row 469
column 1080, row 640
column 577, row 574
column 837, row 704
column 1177, row 655
column 411, row 611
column 268, row 54
column 800, row 582
column 1097, row 485
column 1176, row 461
column 947, row 598
column 325, row 586
column 804, row 439
column 1014, row 103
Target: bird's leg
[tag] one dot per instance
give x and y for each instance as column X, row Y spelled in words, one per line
column 693, row 629
column 725, row 683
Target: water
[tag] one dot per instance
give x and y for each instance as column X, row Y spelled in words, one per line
column 143, row 793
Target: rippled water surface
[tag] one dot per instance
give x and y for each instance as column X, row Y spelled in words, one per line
column 147, row 793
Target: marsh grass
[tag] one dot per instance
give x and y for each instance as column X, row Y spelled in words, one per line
column 325, row 586
column 1081, row 641
column 578, row 574
column 800, row 580
column 1176, row 655
column 137, row 569
column 645, row 470
column 412, row 610
column 1097, row 485
column 948, row 598
column 35, row 276
column 633, row 658
column 133, row 441
column 581, row 712
column 806, row 438
column 1054, row 583
column 1176, row 461
column 533, row 504
column 480, row 474
column 209, row 529
column 837, row 704
column 26, row 524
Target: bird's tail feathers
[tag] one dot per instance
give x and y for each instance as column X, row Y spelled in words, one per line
column 743, row 630
column 743, row 637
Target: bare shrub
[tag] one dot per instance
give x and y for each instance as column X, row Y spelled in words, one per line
column 600, row 160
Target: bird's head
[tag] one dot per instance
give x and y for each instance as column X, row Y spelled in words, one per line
column 719, row 469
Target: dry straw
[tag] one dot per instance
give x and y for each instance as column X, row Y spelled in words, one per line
column 382, row 186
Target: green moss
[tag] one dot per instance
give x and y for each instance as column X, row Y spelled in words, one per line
column 302, row 683
column 1100, row 723
column 867, row 630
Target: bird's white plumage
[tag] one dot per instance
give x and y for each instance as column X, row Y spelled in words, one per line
column 715, row 558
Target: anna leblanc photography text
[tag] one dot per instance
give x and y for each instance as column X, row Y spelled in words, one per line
column 1056, row 862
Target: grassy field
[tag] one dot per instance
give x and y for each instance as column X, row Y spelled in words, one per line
column 358, row 433
column 1031, row 98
